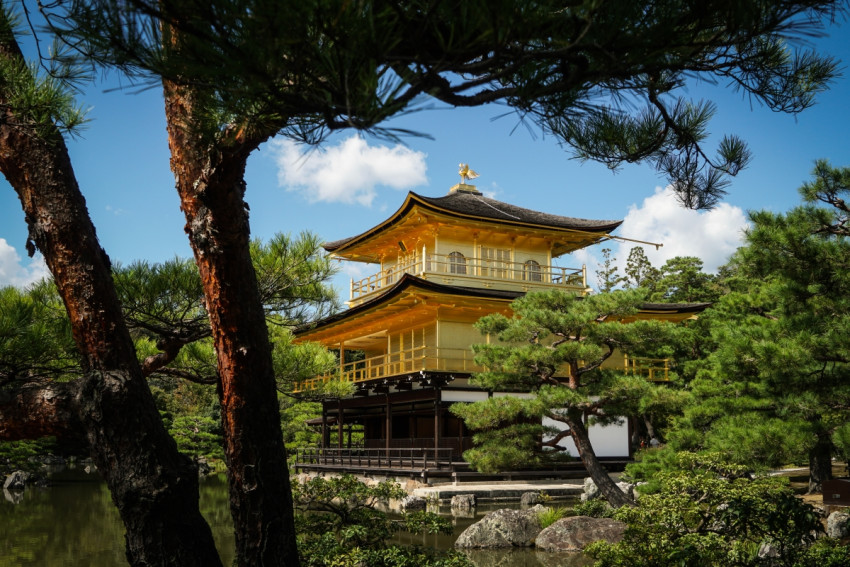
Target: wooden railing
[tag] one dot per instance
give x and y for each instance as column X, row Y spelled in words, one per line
column 410, row 360
column 450, row 360
column 470, row 267
column 392, row 458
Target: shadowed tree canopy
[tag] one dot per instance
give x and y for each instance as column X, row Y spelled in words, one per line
column 603, row 77
column 164, row 303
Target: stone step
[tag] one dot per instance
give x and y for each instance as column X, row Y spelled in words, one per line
column 500, row 491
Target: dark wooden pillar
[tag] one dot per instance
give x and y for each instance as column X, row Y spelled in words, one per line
column 438, row 422
column 339, row 425
column 460, row 434
column 325, row 432
column 389, row 426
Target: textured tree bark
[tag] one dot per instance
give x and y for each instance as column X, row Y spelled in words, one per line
column 820, row 463
column 597, row 472
column 211, row 187
column 40, row 408
column 154, row 487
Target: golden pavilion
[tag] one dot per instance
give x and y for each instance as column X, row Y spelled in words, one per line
column 440, row 264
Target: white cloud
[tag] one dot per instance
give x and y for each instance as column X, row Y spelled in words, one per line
column 711, row 235
column 348, row 172
column 14, row 273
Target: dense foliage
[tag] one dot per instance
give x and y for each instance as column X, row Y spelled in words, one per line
column 339, row 524
column 776, row 386
column 603, row 78
column 164, row 309
column 707, row 512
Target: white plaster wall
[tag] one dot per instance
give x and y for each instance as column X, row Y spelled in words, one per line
column 462, row 396
column 608, row 441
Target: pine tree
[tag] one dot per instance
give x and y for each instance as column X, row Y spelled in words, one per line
column 639, row 270
column 554, row 346
column 608, row 275
column 778, row 383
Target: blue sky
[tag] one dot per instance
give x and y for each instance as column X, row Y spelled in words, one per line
column 350, row 184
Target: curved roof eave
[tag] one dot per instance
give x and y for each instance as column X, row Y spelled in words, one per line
column 478, row 207
column 405, row 282
column 674, row 307
column 408, row 281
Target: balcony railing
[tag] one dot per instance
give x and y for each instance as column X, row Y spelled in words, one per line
column 393, row 458
column 450, row 360
column 410, row 360
column 476, row 270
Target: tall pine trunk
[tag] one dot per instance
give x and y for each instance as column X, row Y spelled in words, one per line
column 820, row 462
column 607, row 487
column 210, row 182
column 154, row 487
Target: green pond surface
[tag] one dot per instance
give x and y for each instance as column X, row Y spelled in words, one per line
column 73, row 523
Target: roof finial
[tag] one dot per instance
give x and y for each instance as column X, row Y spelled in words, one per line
column 465, row 173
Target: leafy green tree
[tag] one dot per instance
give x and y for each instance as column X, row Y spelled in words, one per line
column 554, row 346
column 683, row 281
column 164, row 303
column 608, row 275
column 235, row 74
column 164, row 308
column 35, row 335
column 831, row 186
column 109, row 408
column 707, row 512
column 639, row 270
column 778, row 382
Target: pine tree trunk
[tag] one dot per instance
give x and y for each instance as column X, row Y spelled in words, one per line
column 820, row 463
column 597, row 472
column 154, row 487
column 211, row 188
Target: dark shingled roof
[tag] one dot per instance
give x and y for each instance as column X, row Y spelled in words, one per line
column 467, row 204
column 675, row 307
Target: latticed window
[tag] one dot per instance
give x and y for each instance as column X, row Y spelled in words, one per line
column 495, row 262
column 457, row 263
column 531, row 271
column 389, row 276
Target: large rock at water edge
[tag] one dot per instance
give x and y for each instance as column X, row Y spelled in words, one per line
column 17, row 480
column 838, row 525
column 531, row 498
column 412, row 503
column 463, row 502
column 573, row 534
column 502, row 528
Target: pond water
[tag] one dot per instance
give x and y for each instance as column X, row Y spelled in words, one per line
column 74, row 524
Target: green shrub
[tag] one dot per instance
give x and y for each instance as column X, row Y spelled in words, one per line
column 338, row 525
column 549, row 516
column 20, row 455
column 595, row 508
column 711, row 513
